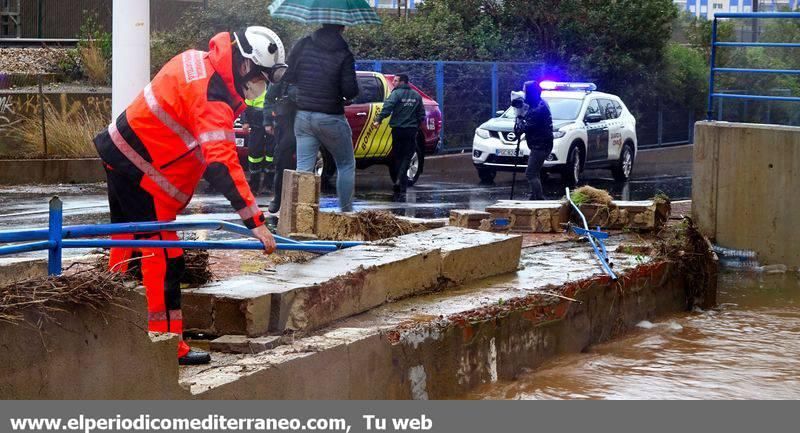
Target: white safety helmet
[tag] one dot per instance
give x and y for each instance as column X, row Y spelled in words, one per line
column 265, row 49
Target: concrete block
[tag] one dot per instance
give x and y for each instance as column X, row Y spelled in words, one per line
column 468, row 218
column 467, row 254
column 236, row 306
column 544, row 216
column 645, row 215
column 744, row 178
column 311, row 295
column 242, row 344
column 299, row 204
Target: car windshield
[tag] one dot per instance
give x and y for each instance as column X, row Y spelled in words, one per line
column 560, row 109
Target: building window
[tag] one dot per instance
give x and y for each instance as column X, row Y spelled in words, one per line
column 734, row 8
column 703, row 9
column 746, row 9
column 717, row 6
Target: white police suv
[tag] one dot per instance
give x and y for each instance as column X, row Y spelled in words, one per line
column 590, row 130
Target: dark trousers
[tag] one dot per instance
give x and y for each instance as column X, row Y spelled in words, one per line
column 285, row 154
column 533, row 172
column 404, row 140
column 260, row 147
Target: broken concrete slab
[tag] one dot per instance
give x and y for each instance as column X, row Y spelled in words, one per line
column 543, row 216
column 644, row 215
column 468, row 218
column 468, row 254
column 307, row 296
column 236, row 306
column 242, row 344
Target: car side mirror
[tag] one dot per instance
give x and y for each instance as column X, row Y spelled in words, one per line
column 499, row 113
column 593, row 118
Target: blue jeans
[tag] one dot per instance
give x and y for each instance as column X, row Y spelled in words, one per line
column 333, row 132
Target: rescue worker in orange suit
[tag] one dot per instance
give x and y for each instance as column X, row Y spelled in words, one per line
column 178, row 129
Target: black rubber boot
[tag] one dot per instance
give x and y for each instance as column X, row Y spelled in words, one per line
column 255, row 182
column 195, row 357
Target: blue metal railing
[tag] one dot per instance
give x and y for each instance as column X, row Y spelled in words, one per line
column 712, row 93
column 57, row 237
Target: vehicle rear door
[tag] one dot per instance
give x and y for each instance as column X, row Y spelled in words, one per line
column 597, row 132
column 615, row 126
column 369, row 141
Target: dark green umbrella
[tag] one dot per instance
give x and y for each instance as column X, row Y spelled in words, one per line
column 342, row 12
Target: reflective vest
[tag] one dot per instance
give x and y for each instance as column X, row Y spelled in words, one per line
column 179, row 128
column 258, row 102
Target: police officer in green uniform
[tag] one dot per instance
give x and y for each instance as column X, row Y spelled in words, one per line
column 260, row 140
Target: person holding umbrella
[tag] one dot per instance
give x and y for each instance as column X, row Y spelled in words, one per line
column 322, row 79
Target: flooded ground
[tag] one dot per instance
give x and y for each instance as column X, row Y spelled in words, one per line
column 747, row 348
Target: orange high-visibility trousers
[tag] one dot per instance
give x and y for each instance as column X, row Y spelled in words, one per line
column 161, row 268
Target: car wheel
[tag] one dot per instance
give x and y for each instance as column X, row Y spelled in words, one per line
column 572, row 171
column 486, row 175
column 624, row 167
column 416, row 165
column 324, row 167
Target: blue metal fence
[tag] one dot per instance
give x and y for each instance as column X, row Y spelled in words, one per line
column 57, row 237
column 721, row 95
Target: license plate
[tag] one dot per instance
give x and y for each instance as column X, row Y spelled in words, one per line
column 509, row 152
column 240, row 142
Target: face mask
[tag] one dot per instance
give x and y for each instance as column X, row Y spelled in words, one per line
column 254, row 89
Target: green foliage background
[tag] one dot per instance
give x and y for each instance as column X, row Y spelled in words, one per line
column 646, row 51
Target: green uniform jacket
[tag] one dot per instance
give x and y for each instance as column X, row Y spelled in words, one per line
column 405, row 106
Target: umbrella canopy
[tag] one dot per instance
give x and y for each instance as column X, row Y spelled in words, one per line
column 342, row 12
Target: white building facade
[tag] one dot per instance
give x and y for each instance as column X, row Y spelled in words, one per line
column 707, row 8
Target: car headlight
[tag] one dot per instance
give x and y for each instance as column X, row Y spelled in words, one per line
column 559, row 134
column 482, row 133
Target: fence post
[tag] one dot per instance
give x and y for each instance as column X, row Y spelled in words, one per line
column 494, row 88
column 54, row 236
column 440, row 95
column 660, row 123
column 710, row 113
column 377, row 66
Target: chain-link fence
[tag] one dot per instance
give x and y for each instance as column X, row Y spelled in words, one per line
column 62, row 19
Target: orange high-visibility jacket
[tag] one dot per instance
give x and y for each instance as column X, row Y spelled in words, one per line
column 181, row 128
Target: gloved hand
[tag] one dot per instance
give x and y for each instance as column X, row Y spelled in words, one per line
column 262, row 234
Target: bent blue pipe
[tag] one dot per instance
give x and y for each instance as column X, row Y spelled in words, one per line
column 595, row 238
column 79, row 231
column 197, row 245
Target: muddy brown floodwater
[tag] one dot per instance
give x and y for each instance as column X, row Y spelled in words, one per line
column 747, row 348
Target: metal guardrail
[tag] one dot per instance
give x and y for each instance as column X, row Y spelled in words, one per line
column 57, row 237
column 714, row 69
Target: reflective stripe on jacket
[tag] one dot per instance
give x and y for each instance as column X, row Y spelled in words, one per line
column 180, row 128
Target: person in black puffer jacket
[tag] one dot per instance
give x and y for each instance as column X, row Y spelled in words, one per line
column 322, row 77
column 538, row 128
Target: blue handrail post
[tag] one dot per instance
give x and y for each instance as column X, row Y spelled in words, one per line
column 710, row 113
column 54, row 236
column 377, row 66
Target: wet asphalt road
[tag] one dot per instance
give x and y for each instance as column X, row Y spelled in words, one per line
column 448, row 183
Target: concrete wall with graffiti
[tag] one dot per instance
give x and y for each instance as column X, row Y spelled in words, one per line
column 17, row 107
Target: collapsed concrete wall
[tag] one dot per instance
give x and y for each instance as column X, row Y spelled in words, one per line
column 88, row 353
column 744, row 188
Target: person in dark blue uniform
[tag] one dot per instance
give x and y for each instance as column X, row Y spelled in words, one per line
column 538, row 128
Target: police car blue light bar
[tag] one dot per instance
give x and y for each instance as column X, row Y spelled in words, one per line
column 556, row 85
